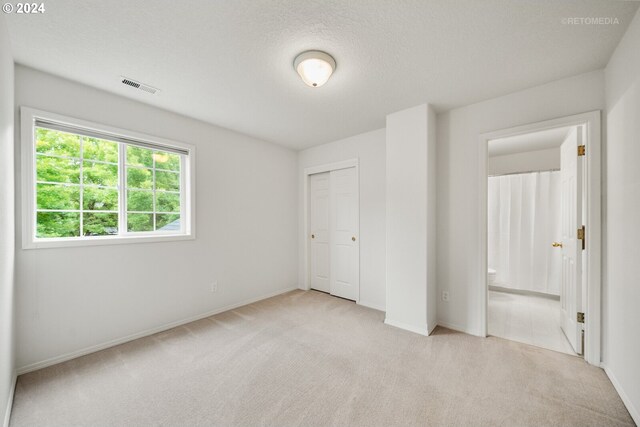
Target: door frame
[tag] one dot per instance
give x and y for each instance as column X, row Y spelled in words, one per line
column 312, row 170
column 592, row 273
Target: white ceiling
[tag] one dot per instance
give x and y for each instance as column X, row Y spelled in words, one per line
column 230, row 62
column 541, row 140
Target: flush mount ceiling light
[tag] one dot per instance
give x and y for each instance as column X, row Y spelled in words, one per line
column 315, row 67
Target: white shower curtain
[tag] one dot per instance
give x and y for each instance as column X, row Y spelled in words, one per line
column 524, row 220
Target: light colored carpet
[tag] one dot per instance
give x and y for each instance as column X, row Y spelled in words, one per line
column 308, row 359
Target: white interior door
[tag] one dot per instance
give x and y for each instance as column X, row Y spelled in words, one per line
column 344, row 239
column 571, row 211
column 319, row 231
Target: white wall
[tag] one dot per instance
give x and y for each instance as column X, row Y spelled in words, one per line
column 369, row 148
column 69, row 299
column 6, row 224
column 432, row 224
column 621, row 316
column 458, row 168
column 528, row 161
column 410, row 219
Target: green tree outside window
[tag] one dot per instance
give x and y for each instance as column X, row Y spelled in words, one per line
column 77, row 180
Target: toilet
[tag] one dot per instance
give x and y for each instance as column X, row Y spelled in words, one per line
column 491, row 277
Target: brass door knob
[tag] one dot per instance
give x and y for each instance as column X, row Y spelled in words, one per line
column 353, row 239
column 313, row 236
column 557, row 245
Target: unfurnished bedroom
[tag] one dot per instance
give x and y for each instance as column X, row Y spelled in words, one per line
column 319, row 213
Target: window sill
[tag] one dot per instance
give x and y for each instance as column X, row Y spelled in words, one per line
column 103, row 241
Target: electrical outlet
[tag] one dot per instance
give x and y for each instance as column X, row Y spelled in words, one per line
column 445, row 296
column 214, row 286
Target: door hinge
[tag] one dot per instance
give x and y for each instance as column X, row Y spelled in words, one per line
column 581, row 236
column 581, row 150
column 580, row 317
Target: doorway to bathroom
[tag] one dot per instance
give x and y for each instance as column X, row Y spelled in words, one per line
column 539, row 204
column 524, row 222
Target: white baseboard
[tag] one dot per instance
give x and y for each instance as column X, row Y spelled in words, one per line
column 371, row 305
column 508, row 290
column 12, row 390
column 430, row 329
column 633, row 411
column 457, row 328
column 422, row 330
column 92, row 349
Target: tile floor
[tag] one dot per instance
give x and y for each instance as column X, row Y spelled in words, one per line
column 527, row 319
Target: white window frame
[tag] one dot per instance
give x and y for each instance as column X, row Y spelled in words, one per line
column 28, row 185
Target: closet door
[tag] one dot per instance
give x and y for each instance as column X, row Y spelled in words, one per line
column 319, row 228
column 344, row 242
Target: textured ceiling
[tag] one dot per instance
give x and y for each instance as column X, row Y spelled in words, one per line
column 230, row 62
column 533, row 141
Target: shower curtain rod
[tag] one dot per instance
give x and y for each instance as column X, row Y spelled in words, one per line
column 522, row 173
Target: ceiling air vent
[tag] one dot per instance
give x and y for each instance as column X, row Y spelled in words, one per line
column 137, row 85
